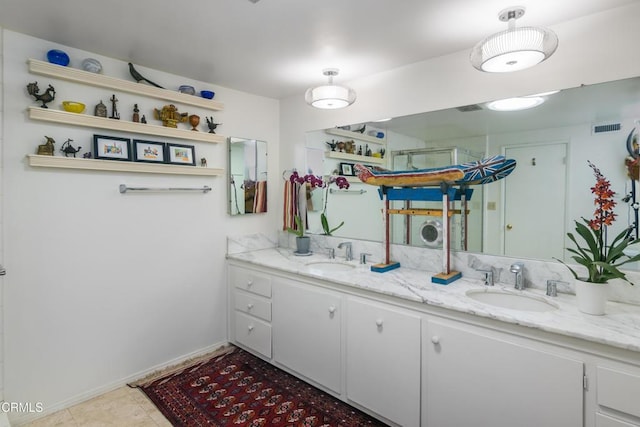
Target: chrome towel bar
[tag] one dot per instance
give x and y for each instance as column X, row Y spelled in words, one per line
column 123, row 189
column 333, row 191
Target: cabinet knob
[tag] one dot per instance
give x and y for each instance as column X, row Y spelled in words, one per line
column 249, row 306
column 435, row 339
column 332, row 309
column 379, row 323
column 249, row 282
column 250, row 328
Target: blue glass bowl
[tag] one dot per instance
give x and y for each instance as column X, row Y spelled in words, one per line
column 207, row 94
column 59, row 57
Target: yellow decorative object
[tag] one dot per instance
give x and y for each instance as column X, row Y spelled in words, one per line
column 169, row 116
column 73, row 107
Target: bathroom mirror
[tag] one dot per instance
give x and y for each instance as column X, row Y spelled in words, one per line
column 548, row 190
column 247, row 176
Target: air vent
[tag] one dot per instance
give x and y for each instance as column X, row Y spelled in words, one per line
column 467, row 108
column 604, row 128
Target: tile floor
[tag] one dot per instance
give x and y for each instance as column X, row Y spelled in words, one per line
column 123, row 407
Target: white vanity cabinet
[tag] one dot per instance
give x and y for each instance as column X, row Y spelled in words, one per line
column 383, row 360
column 618, row 396
column 250, row 301
column 307, row 324
column 474, row 376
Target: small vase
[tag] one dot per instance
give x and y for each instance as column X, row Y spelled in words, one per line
column 592, row 297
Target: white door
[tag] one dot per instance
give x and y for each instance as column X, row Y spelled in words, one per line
column 383, row 360
column 306, row 332
column 475, row 377
column 534, row 201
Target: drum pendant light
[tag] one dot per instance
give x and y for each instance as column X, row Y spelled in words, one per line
column 515, row 48
column 330, row 96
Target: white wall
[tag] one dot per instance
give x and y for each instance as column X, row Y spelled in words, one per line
column 104, row 286
column 592, row 49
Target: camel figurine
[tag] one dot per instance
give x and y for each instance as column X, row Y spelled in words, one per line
column 67, row 148
column 46, row 149
column 48, row 95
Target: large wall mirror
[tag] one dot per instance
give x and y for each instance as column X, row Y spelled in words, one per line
column 247, row 176
column 525, row 215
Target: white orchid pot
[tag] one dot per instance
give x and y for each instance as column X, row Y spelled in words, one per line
column 592, row 297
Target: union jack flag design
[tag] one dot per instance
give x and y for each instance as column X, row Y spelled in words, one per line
column 486, row 170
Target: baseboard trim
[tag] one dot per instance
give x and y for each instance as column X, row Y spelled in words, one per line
column 90, row 394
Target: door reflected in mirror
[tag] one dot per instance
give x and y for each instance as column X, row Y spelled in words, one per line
column 247, row 176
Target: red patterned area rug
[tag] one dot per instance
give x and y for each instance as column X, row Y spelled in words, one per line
column 239, row 389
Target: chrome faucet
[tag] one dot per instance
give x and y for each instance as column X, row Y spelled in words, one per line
column 518, row 269
column 348, row 254
column 488, row 277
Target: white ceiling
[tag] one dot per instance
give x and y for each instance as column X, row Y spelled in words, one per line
column 277, row 48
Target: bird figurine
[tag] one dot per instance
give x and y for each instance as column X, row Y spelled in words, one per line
column 139, row 78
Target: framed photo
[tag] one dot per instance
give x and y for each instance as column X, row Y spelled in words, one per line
column 178, row 154
column 347, row 169
column 148, row 151
column 111, row 148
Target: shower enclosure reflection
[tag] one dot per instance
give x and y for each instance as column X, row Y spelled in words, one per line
column 247, row 176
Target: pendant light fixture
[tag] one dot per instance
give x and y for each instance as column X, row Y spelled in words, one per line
column 330, row 96
column 515, row 48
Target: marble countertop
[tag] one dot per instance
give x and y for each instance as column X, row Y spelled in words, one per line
column 620, row 327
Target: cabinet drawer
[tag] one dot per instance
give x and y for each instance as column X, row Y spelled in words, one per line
column 606, row 421
column 253, row 333
column 619, row 390
column 250, row 281
column 253, row 305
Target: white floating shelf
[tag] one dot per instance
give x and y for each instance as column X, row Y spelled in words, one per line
column 57, row 116
column 36, row 160
column 99, row 80
column 355, row 135
column 355, row 158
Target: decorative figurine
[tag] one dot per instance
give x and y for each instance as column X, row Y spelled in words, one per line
column 136, row 113
column 194, row 121
column 361, row 130
column 350, row 147
column 331, row 144
column 203, row 162
column 48, row 95
column 169, row 116
column 67, row 148
column 341, row 146
column 359, row 150
column 100, row 110
column 212, row 126
column 114, row 111
column 138, row 77
column 143, row 120
column 87, row 155
column 46, row 149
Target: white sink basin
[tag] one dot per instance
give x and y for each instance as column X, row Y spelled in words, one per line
column 512, row 300
column 329, row 266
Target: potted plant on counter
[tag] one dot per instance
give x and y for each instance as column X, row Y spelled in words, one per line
column 302, row 242
column 601, row 260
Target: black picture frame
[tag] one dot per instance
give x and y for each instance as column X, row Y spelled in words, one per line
column 111, row 148
column 149, row 151
column 180, row 154
column 347, row 169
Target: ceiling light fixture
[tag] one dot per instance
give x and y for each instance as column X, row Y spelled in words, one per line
column 330, row 96
column 515, row 48
column 515, row 104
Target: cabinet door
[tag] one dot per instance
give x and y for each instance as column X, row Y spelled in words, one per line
column 306, row 332
column 383, row 360
column 473, row 378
